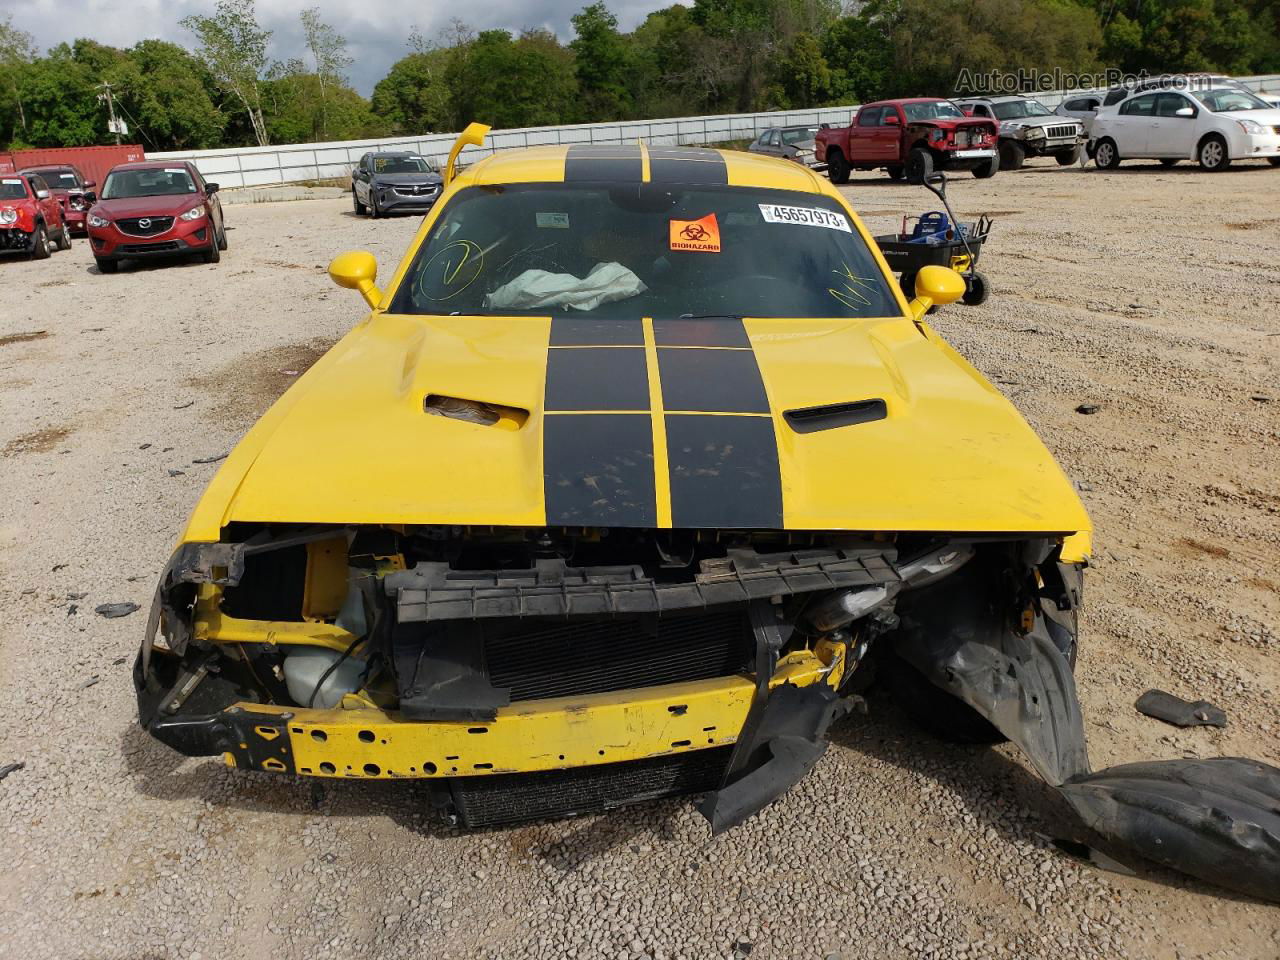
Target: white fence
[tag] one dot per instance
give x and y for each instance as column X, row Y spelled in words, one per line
column 264, row 166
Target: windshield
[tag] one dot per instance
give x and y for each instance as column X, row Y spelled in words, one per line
column 643, row 250
column 401, row 165
column 937, row 110
column 13, row 188
column 1015, row 109
column 795, row 136
column 1222, row 99
column 169, row 181
column 60, row 179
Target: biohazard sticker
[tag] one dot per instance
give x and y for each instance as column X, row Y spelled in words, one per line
column 805, row 216
column 696, row 236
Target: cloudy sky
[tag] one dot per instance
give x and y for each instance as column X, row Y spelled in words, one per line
column 376, row 30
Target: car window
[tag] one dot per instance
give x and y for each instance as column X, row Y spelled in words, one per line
column 1222, row 99
column 157, row 182
column 1168, row 104
column 795, row 136
column 665, row 251
column 1115, row 96
column 936, row 110
column 1143, row 106
column 37, row 182
column 12, row 188
column 774, row 139
column 61, row 179
column 401, row 165
column 1016, row 109
column 870, row 117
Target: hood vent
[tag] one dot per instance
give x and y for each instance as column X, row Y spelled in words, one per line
column 832, row 415
column 474, row 411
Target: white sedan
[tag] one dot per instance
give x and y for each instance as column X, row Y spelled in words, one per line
column 1214, row 127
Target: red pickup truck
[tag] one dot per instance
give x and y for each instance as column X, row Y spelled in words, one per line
column 910, row 138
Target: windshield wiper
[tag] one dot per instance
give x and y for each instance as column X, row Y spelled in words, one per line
column 711, row 316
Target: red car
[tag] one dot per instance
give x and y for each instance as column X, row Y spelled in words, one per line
column 30, row 218
column 158, row 208
column 910, row 138
column 71, row 189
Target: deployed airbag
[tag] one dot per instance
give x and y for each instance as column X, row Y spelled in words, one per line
column 533, row 289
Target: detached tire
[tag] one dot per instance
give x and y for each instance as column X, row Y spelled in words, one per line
column 1012, row 155
column 837, row 167
column 919, row 164
column 1213, row 155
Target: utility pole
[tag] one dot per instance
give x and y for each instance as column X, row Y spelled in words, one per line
column 111, row 109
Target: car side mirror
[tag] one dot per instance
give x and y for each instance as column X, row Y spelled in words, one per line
column 42, row 194
column 211, row 188
column 1185, row 112
column 91, row 183
column 357, row 270
column 892, row 120
column 935, row 287
column 824, row 126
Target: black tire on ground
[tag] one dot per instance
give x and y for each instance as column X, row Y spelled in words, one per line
column 976, row 290
column 374, row 210
column 40, row 243
column 64, row 237
column 1169, row 162
column 1066, row 158
column 1213, row 154
column 984, row 171
column 919, row 164
column 895, row 172
column 222, row 238
column 1274, row 161
column 1105, row 154
column 107, row 266
column 213, row 254
column 356, row 205
column 1012, row 155
column 908, row 283
column 837, row 167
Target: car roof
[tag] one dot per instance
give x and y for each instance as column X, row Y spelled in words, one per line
column 151, row 165
column 548, row 165
column 904, row 100
column 393, row 153
column 1001, row 98
column 36, row 168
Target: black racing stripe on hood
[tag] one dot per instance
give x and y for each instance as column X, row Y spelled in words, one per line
column 687, row 165
column 596, row 378
column 598, row 470
column 589, row 332
column 603, row 163
column 724, row 472
column 711, row 380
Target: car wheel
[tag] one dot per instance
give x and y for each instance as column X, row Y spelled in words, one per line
column 837, row 167
column 222, row 238
column 107, row 266
column 374, row 210
column 1213, row 154
column 64, row 237
column 1274, row 161
column 919, row 165
column 895, row 173
column 40, row 245
column 1106, row 156
column 356, row 205
column 976, row 290
column 213, row 254
column 1067, row 157
column 985, row 171
column 1012, row 155
column 1169, row 162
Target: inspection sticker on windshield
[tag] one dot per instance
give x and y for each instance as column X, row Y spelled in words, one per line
column 805, row 216
column 556, row 221
column 15, row 181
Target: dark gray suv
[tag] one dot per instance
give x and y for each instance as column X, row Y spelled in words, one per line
column 384, row 183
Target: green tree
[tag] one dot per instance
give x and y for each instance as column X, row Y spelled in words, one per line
column 329, row 51
column 234, row 47
column 170, row 96
column 17, row 52
column 512, row 83
column 602, row 65
column 413, row 97
column 860, row 59
column 61, row 102
column 801, row 76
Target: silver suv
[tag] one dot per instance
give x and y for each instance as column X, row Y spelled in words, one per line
column 1027, row 129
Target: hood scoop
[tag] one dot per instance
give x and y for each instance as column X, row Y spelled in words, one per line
column 832, row 415
column 475, row 411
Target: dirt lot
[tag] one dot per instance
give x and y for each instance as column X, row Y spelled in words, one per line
column 1150, row 293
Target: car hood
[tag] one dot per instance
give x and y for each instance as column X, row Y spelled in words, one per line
column 147, row 206
column 804, row 144
column 408, row 178
column 1268, row 118
column 350, row 442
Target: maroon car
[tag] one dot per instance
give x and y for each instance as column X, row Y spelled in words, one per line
column 72, row 191
column 158, row 208
column 30, row 218
column 912, row 138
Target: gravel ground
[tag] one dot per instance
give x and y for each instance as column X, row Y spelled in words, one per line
column 1137, row 290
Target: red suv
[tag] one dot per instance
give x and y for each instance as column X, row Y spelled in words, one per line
column 158, row 208
column 70, row 189
column 30, row 218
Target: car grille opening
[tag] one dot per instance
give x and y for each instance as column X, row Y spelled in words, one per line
column 144, row 226
column 537, row 659
column 164, row 246
column 510, row 798
column 1067, row 131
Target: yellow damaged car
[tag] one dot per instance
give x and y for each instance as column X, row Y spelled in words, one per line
column 639, row 470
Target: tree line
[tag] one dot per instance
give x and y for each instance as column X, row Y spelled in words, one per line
column 712, row 56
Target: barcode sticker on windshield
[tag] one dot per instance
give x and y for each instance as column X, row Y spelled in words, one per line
column 14, row 181
column 805, row 216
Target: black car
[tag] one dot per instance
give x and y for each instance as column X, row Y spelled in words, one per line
column 384, row 183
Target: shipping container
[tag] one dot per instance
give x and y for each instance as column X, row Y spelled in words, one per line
column 92, row 162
